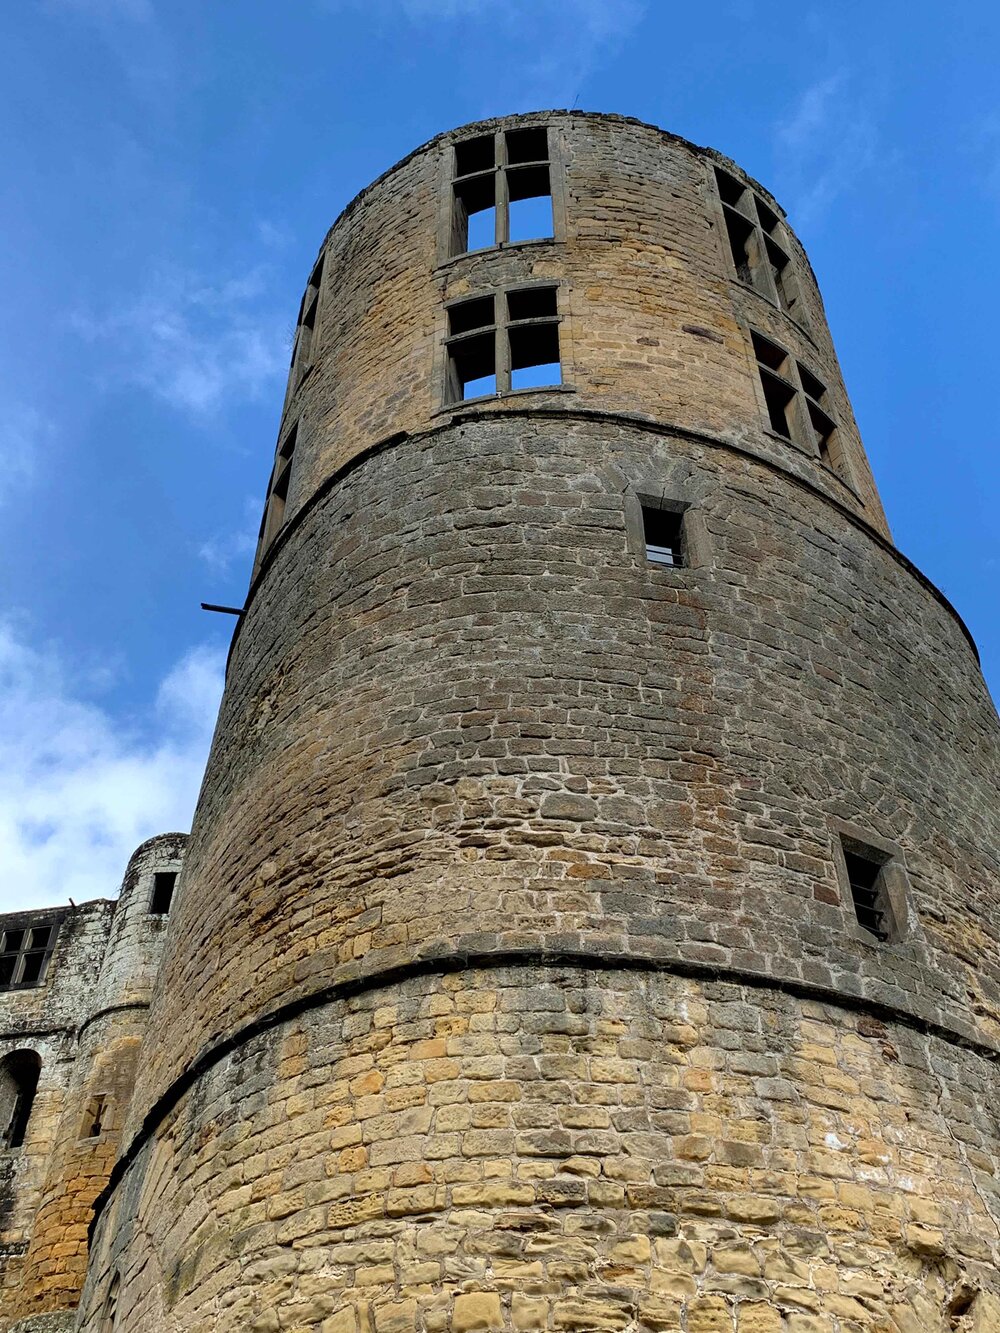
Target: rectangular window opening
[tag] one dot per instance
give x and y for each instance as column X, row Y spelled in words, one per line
column 769, row 220
column 469, row 315
column 530, row 145
column 779, row 397
column 531, row 303
column 473, row 366
column 663, row 531
column 477, row 154
column 531, row 219
column 740, row 233
column 730, row 189
column 534, row 356
column 867, row 890
column 24, row 955
column 475, row 222
column 164, row 882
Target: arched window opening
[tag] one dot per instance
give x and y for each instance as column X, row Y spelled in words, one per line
column 19, row 1073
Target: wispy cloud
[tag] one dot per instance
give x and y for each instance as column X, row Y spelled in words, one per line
column 547, row 47
column 78, row 793
column 824, row 145
column 225, row 549
column 193, row 344
column 24, row 435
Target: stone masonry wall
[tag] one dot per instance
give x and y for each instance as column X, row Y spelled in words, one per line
column 564, row 1148
column 654, row 319
column 86, row 1022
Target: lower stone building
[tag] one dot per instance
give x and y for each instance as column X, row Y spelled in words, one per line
column 75, row 987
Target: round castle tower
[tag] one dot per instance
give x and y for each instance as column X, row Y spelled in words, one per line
column 590, row 918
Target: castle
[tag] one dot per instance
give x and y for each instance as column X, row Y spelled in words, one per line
column 591, row 918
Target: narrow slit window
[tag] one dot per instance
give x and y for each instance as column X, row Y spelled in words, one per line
column 95, row 1117
column 164, row 882
column 19, row 1074
column 663, row 532
column 865, row 877
column 501, row 190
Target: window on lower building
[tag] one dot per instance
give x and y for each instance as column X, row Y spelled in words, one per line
column 865, row 876
column 663, row 531
column 503, row 342
column 758, row 243
column 19, row 1074
column 163, row 892
column 501, row 189
column 24, row 955
column 798, row 403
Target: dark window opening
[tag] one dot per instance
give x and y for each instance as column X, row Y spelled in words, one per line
column 475, row 155
column 731, row 191
column 306, row 329
column 663, row 531
column 865, row 878
column 24, row 955
column 797, row 403
column 530, row 145
column 468, row 315
column 95, row 1117
column 497, row 345
column 741, row 239
column 473, row 362
column 757, row 243
column 19, row 1074
column 502, row 190
column 534, row 356
column 779, row 396
column 163, row 890
column 475, row 214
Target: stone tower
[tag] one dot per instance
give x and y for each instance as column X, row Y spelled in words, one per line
column 590, row 920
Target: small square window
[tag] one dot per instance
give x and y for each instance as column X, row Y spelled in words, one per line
column 663, row 532
column 473, row 155
column 531, row 145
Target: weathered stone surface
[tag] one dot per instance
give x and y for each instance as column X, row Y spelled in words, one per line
column 515, row 954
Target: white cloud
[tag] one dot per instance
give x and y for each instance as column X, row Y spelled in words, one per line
column 194, row 344
column 824, row 145
column 547, row 47
column 224, row 550
column 78, row 790
column 24, row 433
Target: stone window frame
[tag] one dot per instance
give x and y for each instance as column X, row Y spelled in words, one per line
column 757, row 244
column 500, row 326
column 501, row 189
column 97, row 1117
column 273, row 519
column 26, row 953
column 695, row 545
column 810, row 422
column 894, row 883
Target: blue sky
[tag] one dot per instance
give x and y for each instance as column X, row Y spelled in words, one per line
column 170, row 168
